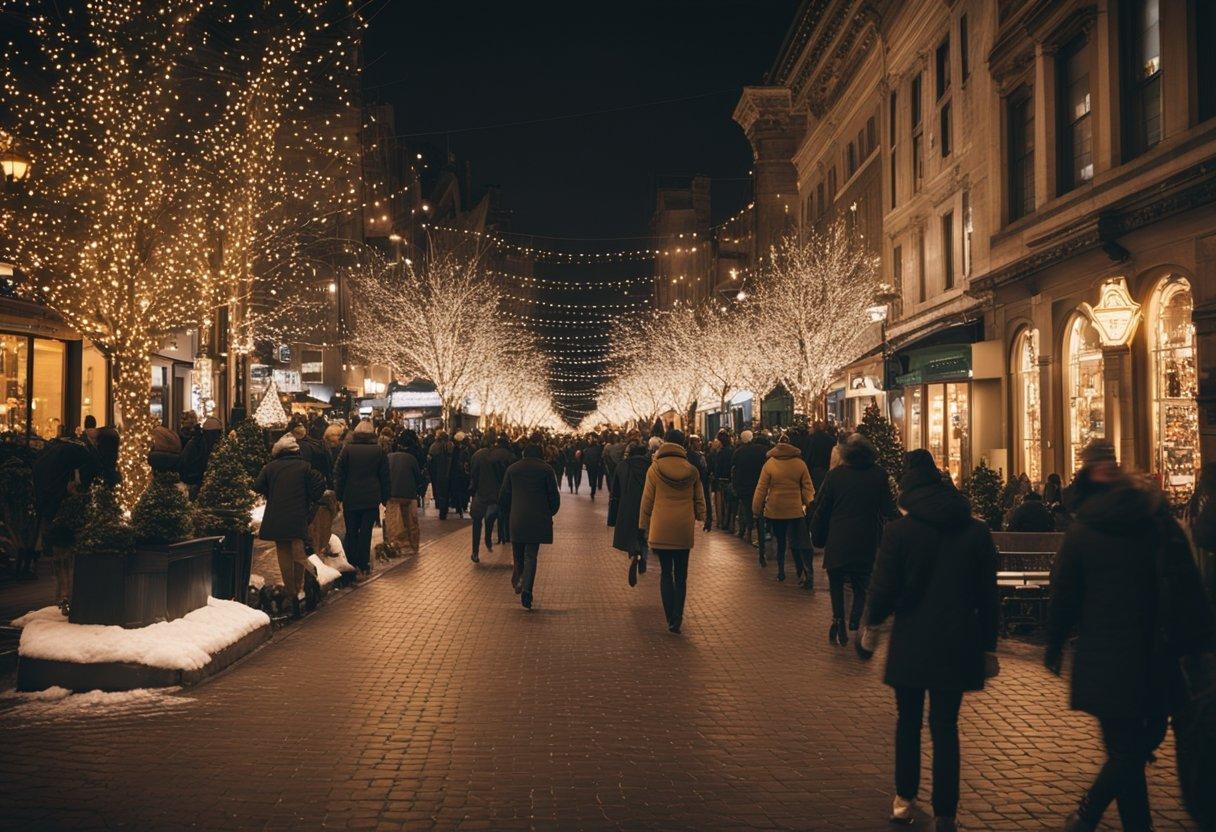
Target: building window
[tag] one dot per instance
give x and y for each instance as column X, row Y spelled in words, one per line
column 893, row 119
column 1027, row 419
column 14, row 372
column 1141, row 24
column 918, row 137
column 964, row 48
column 1205, row 58
column 819, row 200
column 922, row 288
column 948, row 250
column 1175, row 385
column 852, row 158
column 1020, row 118
column 832, row 183
column 871, row 136
column 943, row 97
column 891, row 135
column 943, row 68
column 1086, row 402
column 944, row 128
column 1075, row 124
column 897, row 268
column 967, row 233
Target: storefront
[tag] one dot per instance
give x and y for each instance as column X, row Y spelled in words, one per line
column 936, row 400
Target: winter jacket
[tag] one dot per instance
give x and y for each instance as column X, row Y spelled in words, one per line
column 361, row 473
column 723, row 461
column 851, row 508
column 291, row 487
column 529, row 494
column 314, row 453
column 458, row 479
column 629, row 483
column 439, row 465
column 593, row 457
column 785, row 489
column 747, row 463
column 698, row 461
column 404, row 476
column 613, row 454
column 936, row 573
column 487, row 469
column 1031, row 516
column 1104, row 585
column 672, row 499
column 196, row 455
column 821, row 445
column 60, row 462
column 572, row 459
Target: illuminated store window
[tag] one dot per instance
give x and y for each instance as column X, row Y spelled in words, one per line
column 958, row 430
column 46, row 406
column 1086, row 405
column 935, row 422
column 92, row 383
column 13, row 367
column 1027, row 418
column 915, row 401
column 1175, row 412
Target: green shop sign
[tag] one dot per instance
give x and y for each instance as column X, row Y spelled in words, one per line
column 946, row 363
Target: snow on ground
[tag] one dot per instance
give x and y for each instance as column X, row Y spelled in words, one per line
column 59, row 703
column 186, row 643
column 326, row 574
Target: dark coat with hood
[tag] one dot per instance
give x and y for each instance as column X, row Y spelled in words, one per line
column 851, row 508
column 1104, row 585
column 747, row 463
column 291, row 487
column 404, row 476
column 572, row 459
column 197, row 453
column 936, row 573
column 361, row 479
column 593, row 457
column 529, row 494
column 1031, row 515
column 58, row 463
column 439, row 465
column 486, row 472
column 629, row 481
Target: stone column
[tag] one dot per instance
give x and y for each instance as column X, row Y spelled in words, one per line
column 774, row 131
column 1119, row 395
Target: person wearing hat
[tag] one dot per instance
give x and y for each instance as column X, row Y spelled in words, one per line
column 1125, row 583
column 291, row 487
column 936, row 574
column 672, row 500
column 197, row 453
column 362, row 485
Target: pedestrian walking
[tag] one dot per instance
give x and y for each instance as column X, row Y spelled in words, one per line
column 850, row 511
column 486, row 472
column 936, row 574
column 822, row 442
column 1125, row 582
column 530, row 494
column 747, row 463
column 573, row 458
column 782, row 496
column 672, row 501
column 401, row 514
column 439, row 467
column 458, row 483
column 699, row 462
column 197, row 453
column 361, row 483
column 1031, row 515
column 723, row 495
column 291, row 487
column 628, row 484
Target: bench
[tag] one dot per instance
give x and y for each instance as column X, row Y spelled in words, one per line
column 1023, row 577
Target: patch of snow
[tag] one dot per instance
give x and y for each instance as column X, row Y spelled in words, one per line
column 56, row 703
column 257, row 581
column 326, row 574
column 187, row 643
column 255, row 515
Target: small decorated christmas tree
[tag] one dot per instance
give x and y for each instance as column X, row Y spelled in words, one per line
column 983, row 489
column 105, row 531
column 270, row 412
column 883, row 436
column 225, row 499
column 163, row 513
column 251, row 444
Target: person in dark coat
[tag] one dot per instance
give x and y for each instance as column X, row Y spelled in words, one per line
column 724, row 497
column 746, row 464
column 1031, row 515
column 936, row 574
column 614, row 452
column 629, row 481
column 166, row 451
column 698, row 460
column 593, row 458
column 822, row 441
column 406, row 483
column 850, row 511
column 439, row 467
column 530, row 494
column 197, row 453
column 291, row 487
column 1125, row 582
column 61, row 462
column 361, row 483
column 486, row 472
column 458, row 480
column 572, row 459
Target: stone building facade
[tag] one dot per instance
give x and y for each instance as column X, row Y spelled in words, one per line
column 1039, row 178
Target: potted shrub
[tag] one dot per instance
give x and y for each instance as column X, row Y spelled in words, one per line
column 163, row 522
column 224, row 502
column 18, row 523
column 254, row 453
column 106, row 582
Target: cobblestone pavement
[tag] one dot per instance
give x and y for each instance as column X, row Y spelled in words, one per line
column 428, row 699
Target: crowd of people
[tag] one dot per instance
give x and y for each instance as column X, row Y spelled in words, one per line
column 920, row 568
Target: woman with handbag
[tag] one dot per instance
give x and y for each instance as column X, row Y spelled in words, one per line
column 1124, row 579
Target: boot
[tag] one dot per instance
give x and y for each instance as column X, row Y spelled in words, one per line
column 838, row 633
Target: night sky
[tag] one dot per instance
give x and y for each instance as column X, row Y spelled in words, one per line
column 452, row 65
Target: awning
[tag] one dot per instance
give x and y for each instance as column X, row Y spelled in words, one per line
column 951, row 362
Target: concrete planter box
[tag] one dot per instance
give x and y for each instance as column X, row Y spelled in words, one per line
column 230, row 567
column 154, row 583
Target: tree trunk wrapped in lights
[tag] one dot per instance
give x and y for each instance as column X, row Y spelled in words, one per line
column 811, row 299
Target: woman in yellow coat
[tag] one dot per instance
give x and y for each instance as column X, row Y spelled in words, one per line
column 782, row 497
column 672, row 501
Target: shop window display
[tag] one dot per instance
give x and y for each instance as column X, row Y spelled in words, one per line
column 1175, row 412
column 958, row 414
column 915, row 398
column 1086, row 403
column 48, row 388
column 13, row 369
column 935, row 423
column 1027, row 417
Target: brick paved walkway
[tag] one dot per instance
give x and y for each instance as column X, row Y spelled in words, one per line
column 428, row 699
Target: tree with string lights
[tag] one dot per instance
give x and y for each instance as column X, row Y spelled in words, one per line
column 811, row 300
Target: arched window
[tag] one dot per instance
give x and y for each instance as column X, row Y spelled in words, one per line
column 1175, row 413
column 1026, row 415
column 1086, row 405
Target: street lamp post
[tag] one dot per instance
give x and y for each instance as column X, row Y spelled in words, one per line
column 14, row 166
